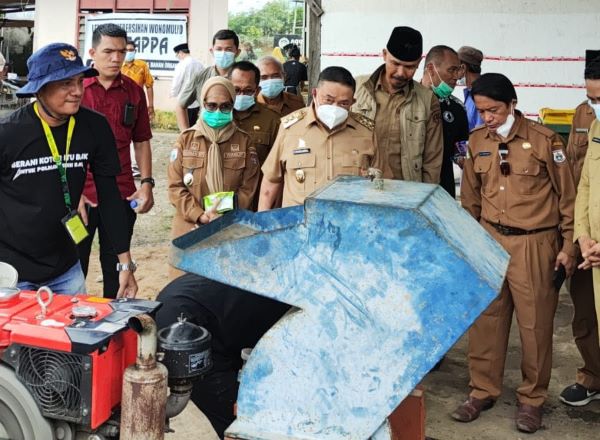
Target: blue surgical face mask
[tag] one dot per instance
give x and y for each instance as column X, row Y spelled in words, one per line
column 129, row 57
column 271, row 88
column 596, row 108
column 243, row 102
column 223, row 59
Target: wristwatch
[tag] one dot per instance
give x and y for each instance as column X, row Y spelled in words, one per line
column 149, row 180
column 131, row 266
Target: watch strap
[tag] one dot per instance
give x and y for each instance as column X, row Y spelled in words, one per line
column 149, row 180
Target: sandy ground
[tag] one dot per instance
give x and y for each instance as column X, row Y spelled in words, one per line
column 445, row 389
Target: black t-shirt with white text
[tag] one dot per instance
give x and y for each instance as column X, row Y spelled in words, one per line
column 32, row 237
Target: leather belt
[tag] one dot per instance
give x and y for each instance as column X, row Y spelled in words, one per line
column 509, row 230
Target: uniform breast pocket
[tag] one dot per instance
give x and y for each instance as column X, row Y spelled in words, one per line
column 580, row 142
column 303, row 173
column 482, row 166
column 417, row 126
column 528, row 177
column 352, row 163
column 233, row 173
column 262, row 142
column 195, row 166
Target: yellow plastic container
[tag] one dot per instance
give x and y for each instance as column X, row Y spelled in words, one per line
column 552, row 116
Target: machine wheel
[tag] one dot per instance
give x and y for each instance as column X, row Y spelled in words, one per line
column 20, row 417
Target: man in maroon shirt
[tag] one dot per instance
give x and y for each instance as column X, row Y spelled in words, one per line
column 123, row 103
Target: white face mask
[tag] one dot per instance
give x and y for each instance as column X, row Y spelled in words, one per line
column 596, row 108
column 504, row 129
column 331, row 115
column 462, row 82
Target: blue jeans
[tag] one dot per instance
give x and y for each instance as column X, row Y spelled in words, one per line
column 69, row 283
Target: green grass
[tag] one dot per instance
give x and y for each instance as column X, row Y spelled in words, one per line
column 164, row 120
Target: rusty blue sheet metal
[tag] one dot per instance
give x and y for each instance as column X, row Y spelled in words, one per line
column 384, row 283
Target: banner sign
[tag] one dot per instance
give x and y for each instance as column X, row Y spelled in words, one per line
column 283, row 40
column 154, row 34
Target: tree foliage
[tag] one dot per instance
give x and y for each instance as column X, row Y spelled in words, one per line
column 275, row 17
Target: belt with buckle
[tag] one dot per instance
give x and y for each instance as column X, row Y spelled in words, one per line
column 509, row 230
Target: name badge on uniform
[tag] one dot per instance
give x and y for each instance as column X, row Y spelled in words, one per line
column 484, row 153
column 582, row 130
column 304, row 150
column 75, row 227
column 596, row 139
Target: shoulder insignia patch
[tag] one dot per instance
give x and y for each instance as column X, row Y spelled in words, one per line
column 363, row 120
column 292, row 118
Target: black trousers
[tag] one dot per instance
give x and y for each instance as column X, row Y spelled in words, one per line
column 235, row 318
column 193, row 115
column 108, row 257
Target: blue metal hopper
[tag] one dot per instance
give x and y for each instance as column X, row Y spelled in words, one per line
column 384, row 281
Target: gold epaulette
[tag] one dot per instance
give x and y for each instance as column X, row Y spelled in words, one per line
column 363, row 120
column 292, row 118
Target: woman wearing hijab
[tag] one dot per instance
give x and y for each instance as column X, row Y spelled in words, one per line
column 213, row 156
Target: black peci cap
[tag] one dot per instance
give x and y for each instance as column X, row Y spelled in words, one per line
column 592, row 64
column 405, row 44
column 180, row 47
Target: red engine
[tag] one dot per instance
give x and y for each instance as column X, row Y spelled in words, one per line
column 72, row 357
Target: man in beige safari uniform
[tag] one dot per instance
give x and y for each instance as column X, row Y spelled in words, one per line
column 407, row 115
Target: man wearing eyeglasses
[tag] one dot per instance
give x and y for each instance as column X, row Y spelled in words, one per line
column 518, row 184
column 225, row 48
column 254, row 118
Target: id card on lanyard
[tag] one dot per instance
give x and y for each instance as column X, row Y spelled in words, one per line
column 72, row 221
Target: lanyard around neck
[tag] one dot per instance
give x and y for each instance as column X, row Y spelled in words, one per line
column 56, row 155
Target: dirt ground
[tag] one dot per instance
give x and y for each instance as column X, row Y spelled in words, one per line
column 445, row 388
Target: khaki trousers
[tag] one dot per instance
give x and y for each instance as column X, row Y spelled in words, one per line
column 585, row 327
column 528, row 290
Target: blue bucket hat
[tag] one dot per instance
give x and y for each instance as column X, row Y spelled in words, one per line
column 54, row 62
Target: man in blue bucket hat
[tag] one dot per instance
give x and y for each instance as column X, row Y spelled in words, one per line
column 45, row 149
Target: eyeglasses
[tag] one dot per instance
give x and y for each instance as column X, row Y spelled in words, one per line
column 504, row 164
column 226, row 107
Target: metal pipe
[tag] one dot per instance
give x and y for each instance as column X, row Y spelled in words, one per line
column 178, row 398
column 145, row 327
column 144, row 395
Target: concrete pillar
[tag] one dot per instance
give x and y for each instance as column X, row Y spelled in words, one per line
column 46, row 29
column 206, row 18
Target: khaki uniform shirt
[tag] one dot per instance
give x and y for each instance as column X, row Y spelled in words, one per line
column 306, row 155
column 286, row 103
column 539, row 191
column 408, row 126
column 262, row 125
column 191, row 89
column 240, row 174
column 578, row 138
column 587, row 207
